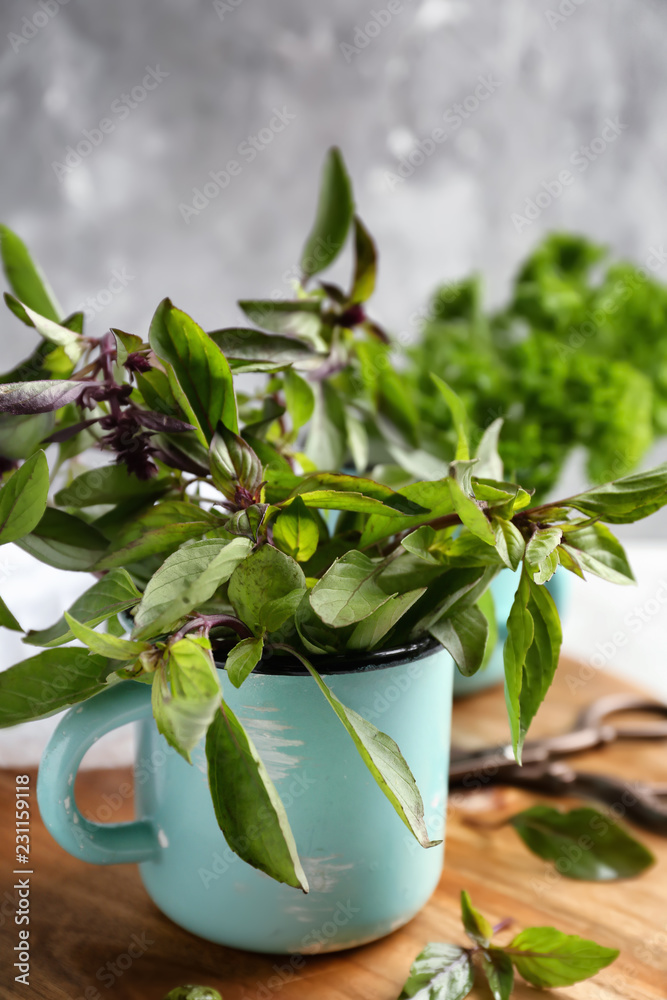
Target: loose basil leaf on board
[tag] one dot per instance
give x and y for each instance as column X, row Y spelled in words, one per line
column 104, row 644
column 242, row 791
column 385, row 762
column 45, row 683
column 295, row 531
column 595, row 550
column 499, row 972
column 243, row 658
column 186, row 694
column 24, row 276
column 476, row 926
column 583, row 843
column 464, row 635
column 263, row 577
column 64, row 541
column 23, row 498
column 187, row 578
column 334, row 214
column 299, row 399
column 548, row 958
column 349, row 591
column 113, row 593
column 440, row 972
column 199, row 365
column 7, row 619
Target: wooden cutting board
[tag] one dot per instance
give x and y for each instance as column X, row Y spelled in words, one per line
column 83, row 917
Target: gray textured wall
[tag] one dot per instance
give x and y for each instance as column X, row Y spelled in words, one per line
column 556, row 70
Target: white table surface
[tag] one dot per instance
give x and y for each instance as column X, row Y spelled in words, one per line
column 619, row 629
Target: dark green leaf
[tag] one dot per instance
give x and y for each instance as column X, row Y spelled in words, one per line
column 48, row 682
column 582, row 843
column 109, row 484
column 434, row 496
column 464, row 635
column 24, row 277
column 7, row 619
column 243, row 658
column 476, row 926
column 247, row 806
column 520, row 632
column 155, row 540
column 365, row 263
column 20, row 436
column 23, row 499
column 64, row 541
column 199, row 366
column 263, row 577
column 548, row 958
column 298, row 317
column 113, row 593
column 39, row 396
column 334, row 214
column 440, row 972
column 253, row 345
column 497, row 967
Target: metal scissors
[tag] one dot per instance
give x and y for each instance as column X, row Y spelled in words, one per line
column 544, row 771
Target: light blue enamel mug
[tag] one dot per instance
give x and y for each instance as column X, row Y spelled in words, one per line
column 367, row 874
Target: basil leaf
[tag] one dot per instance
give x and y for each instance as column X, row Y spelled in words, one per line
column 339, row 482
column 186, row 694
column 295, row 531
column 548, row 958
column 71, row 342
column 156, row 540
column 348, row 591
column 234, row 463
column 299, row 399
column 64, row 541
column 325, row 446
column 440, row 972
column 109, row 484
column 369, row 631
column 263, row 577
column 45, row 683
column 520, row 632
column 277, row 611
column 24, row 277
column 23, row 498
column 476, row 926
column 385, row 762
column 365, row 264
column 247, row 806
column 39, row 396
column 334, row 214
column 509, row 542
column 433, row 496
column 471, row 514
column 459, row 417
column 583, row 843
column 111, row 646
column 464, row 635
column 420, row 543
column 596, row 551
column 7, row 619
column 187, row 578
column 243, row 658
column 357, row 441
column 299, row 317
column 497, row 967
column 541, row 556
column 489, row 463
column 113, row 593
column 199, row 365
column 542, row 656
column 625, row 500
column 253, row 345
column 21, row 436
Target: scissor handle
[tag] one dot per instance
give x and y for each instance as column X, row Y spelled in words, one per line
column 596, row 716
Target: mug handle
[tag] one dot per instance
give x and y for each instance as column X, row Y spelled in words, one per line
column 96, row 843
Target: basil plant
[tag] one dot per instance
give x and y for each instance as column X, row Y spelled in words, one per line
column 210, row 539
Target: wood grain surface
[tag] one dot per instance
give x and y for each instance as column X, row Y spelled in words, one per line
column 83, row 917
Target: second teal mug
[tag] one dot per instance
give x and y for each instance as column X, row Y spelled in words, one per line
column 368, row 876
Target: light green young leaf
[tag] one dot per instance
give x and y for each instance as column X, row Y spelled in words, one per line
column 199, row 366
column 45, row 683
column 419, row 543
column 277, row 611
column 464, row 635
column 243, row 658
column 113, row 593
column 242, row 791
column 368, row 632
column 548, row 958
column 234, row 463
column 509, row 542
column 499, row 972
column 186, row 694
column 299, row 398
column 470, row 513
column 334, row 214
column 25, row 278
column 186, row 579
column 332, row 482
column 72, row 344
column 357, row 441
column 459, row 417
column 23, row 498
column 476, row 926
column 385, row 762
column 440, row 972
column 489, row 463
column 265, row 576
column 103, row 643
column 435, row 497
column 295, row 531
column 596, row 551
column 540, row 553
column 348, row 592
